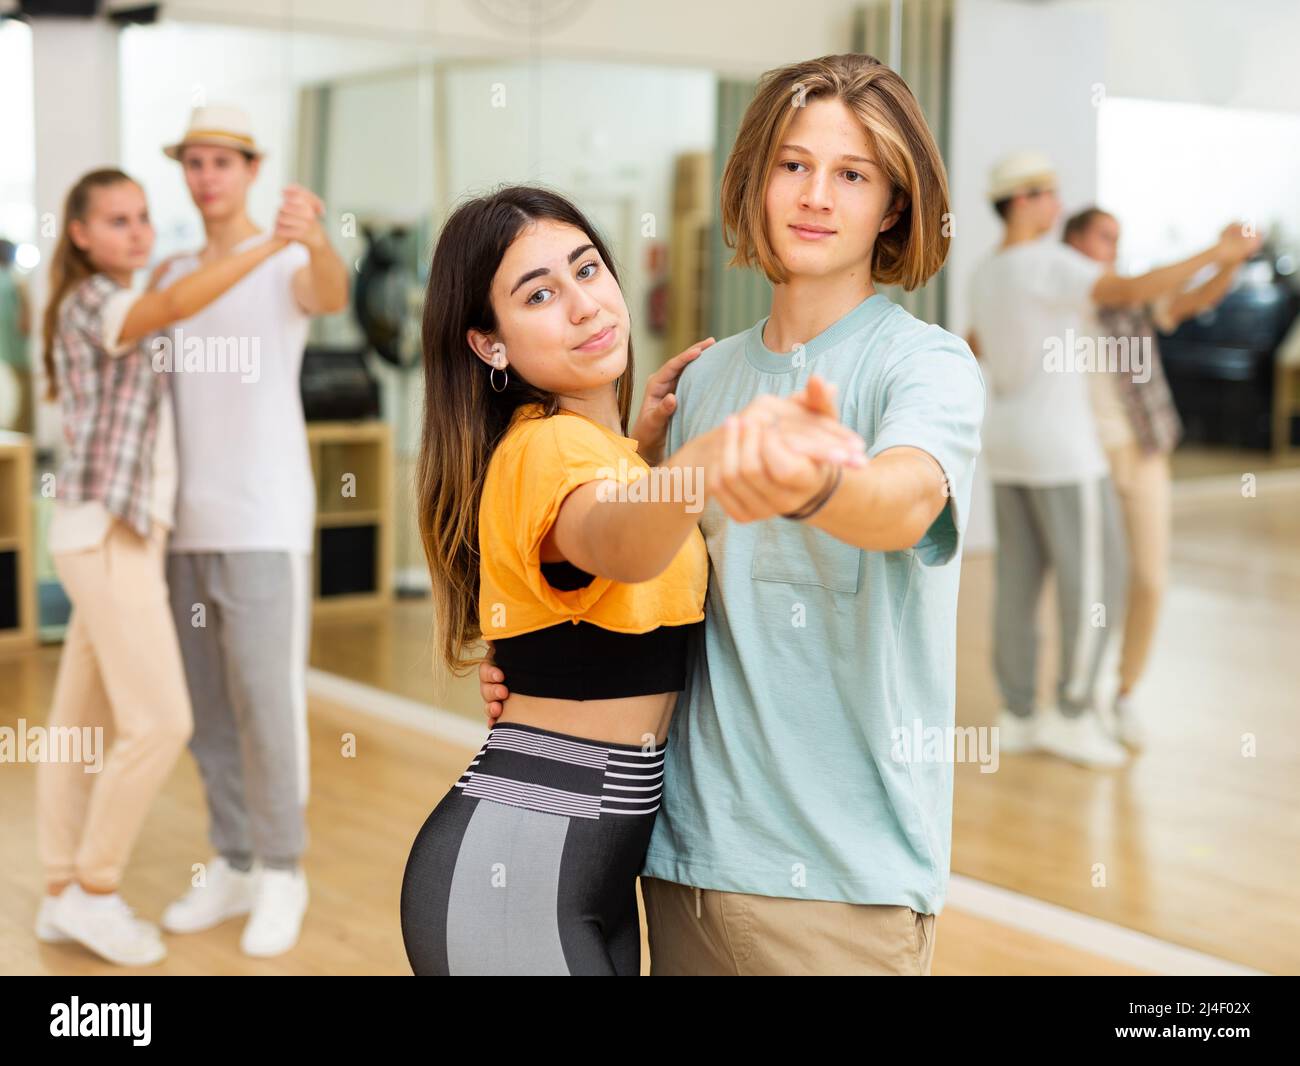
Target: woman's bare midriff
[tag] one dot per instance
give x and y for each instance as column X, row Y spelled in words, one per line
column 630, row 720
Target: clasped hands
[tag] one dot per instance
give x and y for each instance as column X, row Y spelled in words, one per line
column 779, row 453
column 769, row 459
column 299, row 217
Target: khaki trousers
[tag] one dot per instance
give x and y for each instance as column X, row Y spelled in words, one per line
column 120, row 672
column 706, row 932
column 1142, row 481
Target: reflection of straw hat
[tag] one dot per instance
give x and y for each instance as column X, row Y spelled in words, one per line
column 226, row 127
column 1019, row 172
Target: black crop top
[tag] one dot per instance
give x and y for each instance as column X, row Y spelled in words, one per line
column 582, row 661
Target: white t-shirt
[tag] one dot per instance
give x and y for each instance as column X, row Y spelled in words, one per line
column 82, row 525
column 245, row 469
column 1028, row 302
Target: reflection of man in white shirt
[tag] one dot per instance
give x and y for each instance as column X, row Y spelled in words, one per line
column 1031, row 300
column 238, row 564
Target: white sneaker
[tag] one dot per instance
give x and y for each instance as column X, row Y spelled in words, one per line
column 277, row 913
column 46, row 931
column 108, row 927
column 1081, row 740
column 1129, row 725
column 1017, row 733
column 228, row 894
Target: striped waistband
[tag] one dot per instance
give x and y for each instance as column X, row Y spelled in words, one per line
column 554, row 773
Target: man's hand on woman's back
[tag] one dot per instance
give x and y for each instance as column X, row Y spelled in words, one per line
column 491, row 686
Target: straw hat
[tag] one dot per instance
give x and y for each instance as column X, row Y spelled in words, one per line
column 1019, row 172
column 226, row 127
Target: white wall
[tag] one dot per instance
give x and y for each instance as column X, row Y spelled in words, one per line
column 1201, row 123
column 379, row 146
column 1175, row 174
column 378, row 171
column 1240, row 54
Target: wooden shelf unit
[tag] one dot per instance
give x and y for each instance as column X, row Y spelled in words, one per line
column 17, row 544
column 352, row 558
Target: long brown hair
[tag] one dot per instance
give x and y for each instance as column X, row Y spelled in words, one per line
column 464, row 418
column 70, row 266
column 915, row 246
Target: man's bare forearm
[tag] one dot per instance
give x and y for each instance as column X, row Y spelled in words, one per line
column 329, row 279
column 887, row 505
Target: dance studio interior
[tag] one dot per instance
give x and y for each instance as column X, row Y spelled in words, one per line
column 1171, row 853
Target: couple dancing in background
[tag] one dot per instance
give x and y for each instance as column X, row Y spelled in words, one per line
column 1079, row 460
column 181, row 532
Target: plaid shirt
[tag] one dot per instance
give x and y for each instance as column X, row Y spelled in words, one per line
column 1148, row 404
column 110, row 409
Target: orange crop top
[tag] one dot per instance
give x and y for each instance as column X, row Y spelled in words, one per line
column 537, row 463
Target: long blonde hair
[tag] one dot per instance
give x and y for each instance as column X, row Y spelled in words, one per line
column 464, row 418
column 70, row 266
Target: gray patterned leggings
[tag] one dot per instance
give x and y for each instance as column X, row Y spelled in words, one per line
column 529, row 863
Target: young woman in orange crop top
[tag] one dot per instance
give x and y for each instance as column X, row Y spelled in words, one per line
column 548, row 533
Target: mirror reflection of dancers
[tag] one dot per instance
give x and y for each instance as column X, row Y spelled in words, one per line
column 120, row 669
column 1055, row 504
column 591, row 600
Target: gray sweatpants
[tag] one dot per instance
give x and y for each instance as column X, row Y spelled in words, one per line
column 243, row 619
column 1075, row 531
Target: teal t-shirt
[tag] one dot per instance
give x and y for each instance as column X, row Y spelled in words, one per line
column 781, row 777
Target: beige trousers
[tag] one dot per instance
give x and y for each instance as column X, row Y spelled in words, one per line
column 705, row 932
column 1142, row 481
column 120, row 673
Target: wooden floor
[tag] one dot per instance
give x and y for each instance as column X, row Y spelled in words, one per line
column 1198, row 460
column 364, row 813
column 1199, row 844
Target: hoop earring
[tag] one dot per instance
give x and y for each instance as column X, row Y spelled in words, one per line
column 493, row 381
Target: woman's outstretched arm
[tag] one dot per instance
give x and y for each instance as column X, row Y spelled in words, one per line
column 602, row 532
column 156, row 310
